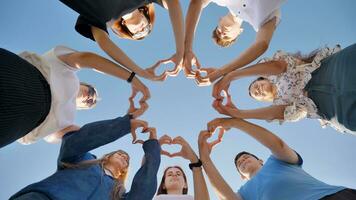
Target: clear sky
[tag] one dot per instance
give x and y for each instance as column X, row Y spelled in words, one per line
column 178, row 106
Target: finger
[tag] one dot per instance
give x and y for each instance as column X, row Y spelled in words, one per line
column 221, row 133
column 134, row 93
column 197, row 63
column 137, row 142
column 138, row 112
column 166, row 153
column 152, row 131
column 178, row 154
column 139, row 123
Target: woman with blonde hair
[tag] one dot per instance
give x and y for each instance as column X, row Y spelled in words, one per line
column 81, row 176
column 132, row 20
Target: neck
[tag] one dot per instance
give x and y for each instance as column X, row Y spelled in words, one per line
column 174, row 191
column 253, row 172
column 111, row 171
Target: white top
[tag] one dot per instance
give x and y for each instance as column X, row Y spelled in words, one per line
column 173, row 197
column 64, row 85
column 255, row 12
column 290, row 85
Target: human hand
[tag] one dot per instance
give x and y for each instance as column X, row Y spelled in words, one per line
column 186, row 151
column 165, row 139
column 137, row 86
column 228, row 109
column 222, row 123
column 150, row 73
column 189, row 60
column 152, row 135
column 136, row 112
column 206, row 147
column 222, row 85
column 211, row 73
column 177, row 60
column 135, row 124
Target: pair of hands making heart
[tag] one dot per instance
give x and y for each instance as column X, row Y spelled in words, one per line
column 186, row 63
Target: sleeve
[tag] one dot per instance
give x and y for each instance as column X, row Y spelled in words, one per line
column 144, row 183
column 83, row 27
column 323, row 53
column 295, row 112
column 77, row 143
column 300, row 162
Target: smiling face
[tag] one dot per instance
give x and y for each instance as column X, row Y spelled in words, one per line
column 262, row 90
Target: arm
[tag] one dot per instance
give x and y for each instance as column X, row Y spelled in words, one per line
column 277, row 146
column 104, row 42
column 176, row 17
column 262, row 69
column 220, row 186
column 261, row 44
column 266, row 113
column 90, row 136
column 144, row 183
column 191, row 21
column 200, row 188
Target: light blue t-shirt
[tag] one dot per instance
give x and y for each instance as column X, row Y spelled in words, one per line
column 278, row 180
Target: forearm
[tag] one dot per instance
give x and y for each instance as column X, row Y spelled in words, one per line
column 200, row 188
column 93, row 135
column 246, row 57
column 145, row 180
column 115, row 52
column 262, row 135
column 267, row 113
column 176, row 16
column 260, row 69
column 103, row 65
column 220, row 186
column 191, row 22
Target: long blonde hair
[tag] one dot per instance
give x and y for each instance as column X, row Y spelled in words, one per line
column 119, row 185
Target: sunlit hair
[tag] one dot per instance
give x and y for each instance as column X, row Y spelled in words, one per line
column 241, row 154
column 253, row 82
column 163, row 190
column 120, row 180
column 93, row 96
column 306, row 58
column 121, row 30
column 222, row 42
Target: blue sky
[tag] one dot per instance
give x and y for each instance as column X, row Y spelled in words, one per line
column 178, row 106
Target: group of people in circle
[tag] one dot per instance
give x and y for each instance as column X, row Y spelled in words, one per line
column 41, row 93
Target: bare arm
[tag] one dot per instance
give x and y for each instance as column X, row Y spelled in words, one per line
column 191, row 21
column 275, row 144
column 261, row 44
column 261, row 69
column 176, row 16
column 105, row 43
column 220, row 186
column 267, row 113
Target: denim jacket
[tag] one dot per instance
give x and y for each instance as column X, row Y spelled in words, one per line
column 92, row 182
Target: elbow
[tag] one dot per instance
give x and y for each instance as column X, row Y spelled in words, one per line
column 263, row 46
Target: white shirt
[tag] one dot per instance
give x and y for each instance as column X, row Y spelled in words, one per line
column 173, row 197
column 255, row 12
column 64, row 85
